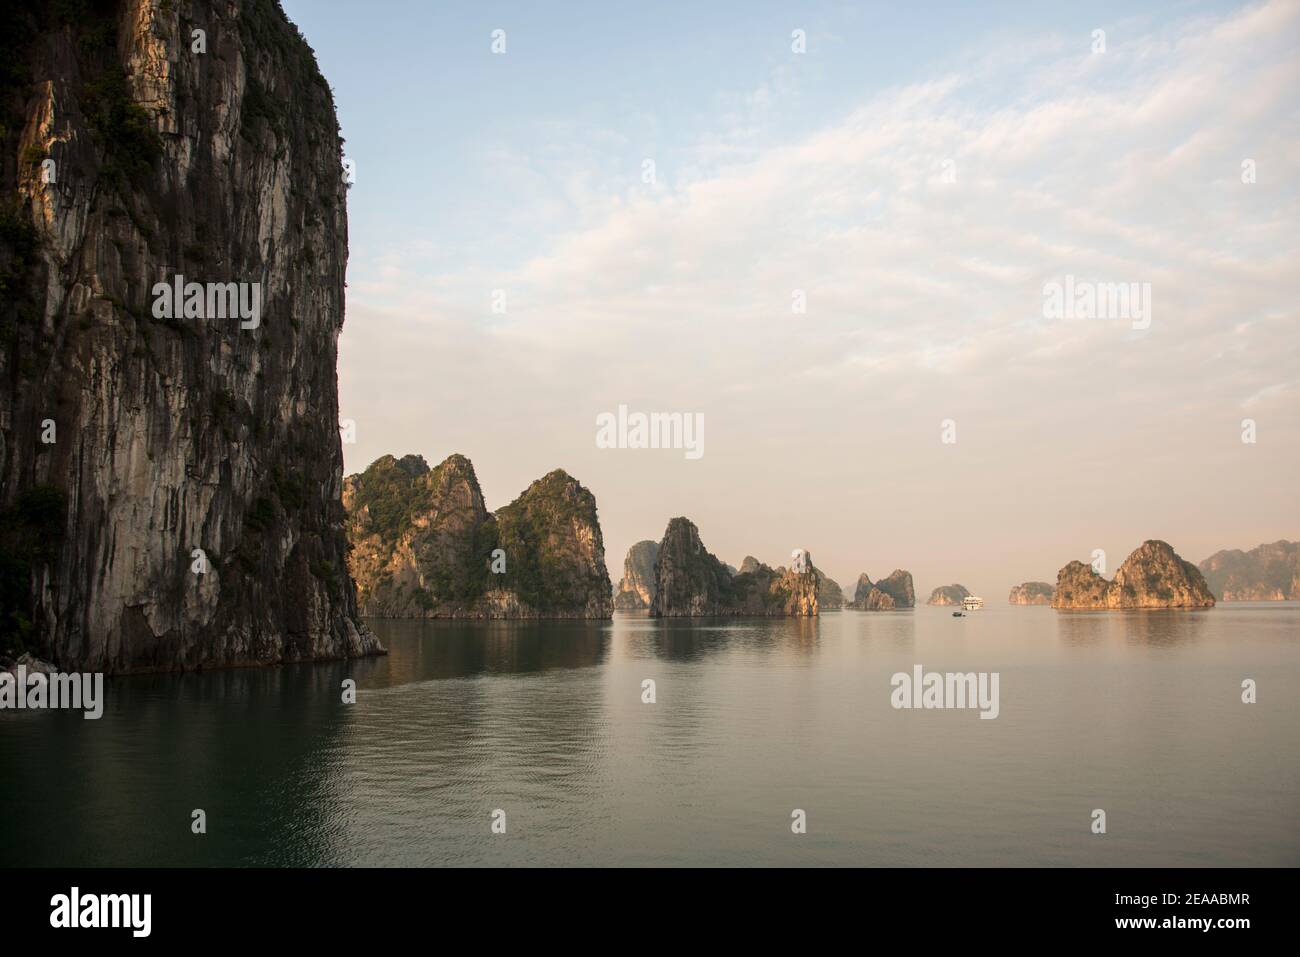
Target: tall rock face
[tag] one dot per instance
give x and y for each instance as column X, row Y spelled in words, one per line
column 888, row 594
column 420, row 541
column 551, row 539
column 1153, row 576
column 1265, row 573
column 636, row 590
column 690, row 582
column 1032, row 593
column 170, row 488
column 425, row 546
column 948, row 595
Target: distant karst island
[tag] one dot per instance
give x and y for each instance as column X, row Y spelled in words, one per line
column 1265, row 573
column 636, row 589
column 948, row 595
column 690, row 581
column 1031, row 593
column 1153, row 576
column 888, row 594
column 424, row 545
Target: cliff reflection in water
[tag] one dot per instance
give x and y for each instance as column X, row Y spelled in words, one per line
column 426, row 650
column 1154, row 627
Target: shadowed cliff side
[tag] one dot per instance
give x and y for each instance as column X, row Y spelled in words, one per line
column 893, row 592
column 690, row 581
column 170, row 487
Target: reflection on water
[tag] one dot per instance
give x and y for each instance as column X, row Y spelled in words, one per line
column 1137, row 626
column 686, row 639
column 446, row 649
column 752, row 717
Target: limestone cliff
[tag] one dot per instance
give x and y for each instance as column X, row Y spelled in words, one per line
column 1265, row 573
column 948, row 595
column 425, row 546
column 636, row 590
column 888, row 594
column 830, row 596
column 1031, row 593
column 690, row 581
column 170, row 487
column 1154, row 576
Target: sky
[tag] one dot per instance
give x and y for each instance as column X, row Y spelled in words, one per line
column 628, row 205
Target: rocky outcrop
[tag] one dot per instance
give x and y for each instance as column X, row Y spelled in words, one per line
column 690, row 582
column 888, row 594
column 1032, row 593
column 425, row 546
column 170, row 481
column 861, row 591
column 1265, row 573
column 948, row 595
column 830, row 597
column 637, row 588
column 1154, row 576
column 1079, row 586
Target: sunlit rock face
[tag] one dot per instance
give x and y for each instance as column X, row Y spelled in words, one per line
column 425, row 546
column 1153, row 576
column 189, row 508
column 636, row 590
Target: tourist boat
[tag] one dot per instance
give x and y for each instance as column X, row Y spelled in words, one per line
column 971, row 602
column 959, row 614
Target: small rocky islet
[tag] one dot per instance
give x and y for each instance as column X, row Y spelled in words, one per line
column 948, row 595
column 1031, row 593
column 892, row 592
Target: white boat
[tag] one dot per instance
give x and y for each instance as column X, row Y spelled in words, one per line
column 971, row 602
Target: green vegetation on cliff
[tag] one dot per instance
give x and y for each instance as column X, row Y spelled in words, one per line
column 424, row 545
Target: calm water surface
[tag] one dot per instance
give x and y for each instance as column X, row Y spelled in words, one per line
column 1136, row 713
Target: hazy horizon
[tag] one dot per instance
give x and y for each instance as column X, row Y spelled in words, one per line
column 917, row 177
